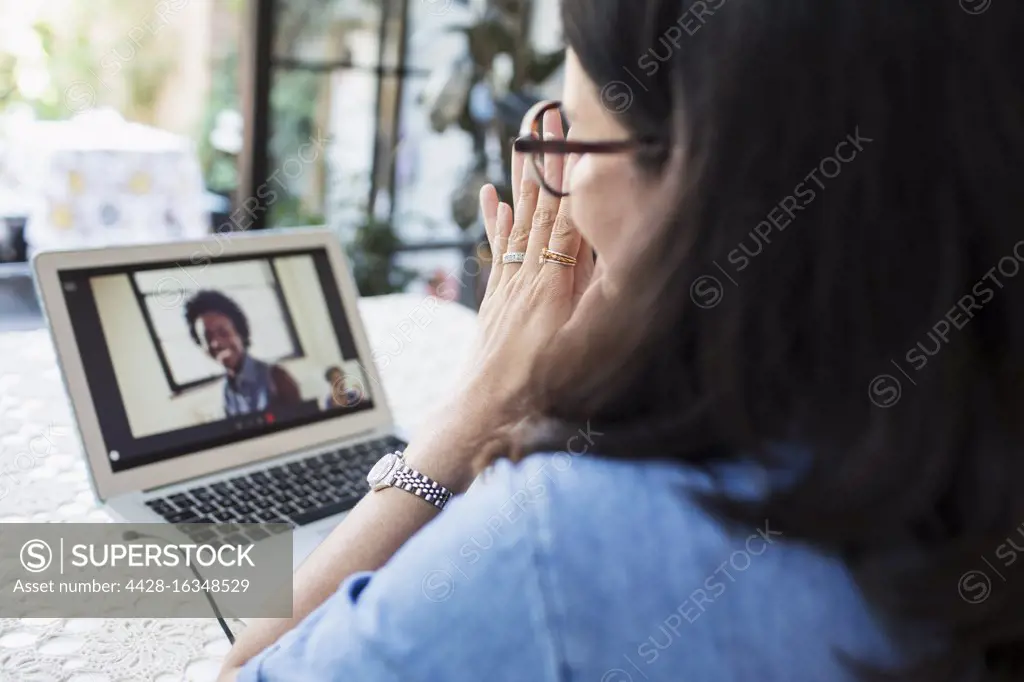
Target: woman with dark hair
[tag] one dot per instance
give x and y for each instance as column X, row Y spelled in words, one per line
column 790, row 388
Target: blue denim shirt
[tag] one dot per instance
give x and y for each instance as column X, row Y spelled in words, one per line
column 250, row 389
column 579, row 568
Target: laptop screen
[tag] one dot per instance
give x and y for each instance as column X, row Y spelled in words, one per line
column 182, row 357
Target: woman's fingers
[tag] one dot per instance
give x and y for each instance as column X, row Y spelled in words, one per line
column 503, row 228
column 548, row 203
column 489, row 211
column 563, row 236
column 525, row 126
column 519, row 237
column 517, row 176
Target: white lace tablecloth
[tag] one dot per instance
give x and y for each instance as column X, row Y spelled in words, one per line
column 419, row 344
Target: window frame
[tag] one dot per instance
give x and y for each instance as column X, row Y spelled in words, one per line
column 258, row 65
column 298, row 351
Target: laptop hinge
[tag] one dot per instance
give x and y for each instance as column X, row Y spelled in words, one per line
column 269, row 460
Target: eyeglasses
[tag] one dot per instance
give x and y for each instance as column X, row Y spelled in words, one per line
column 536, row 147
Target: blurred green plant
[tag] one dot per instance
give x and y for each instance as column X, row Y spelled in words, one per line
column 293, row 102
column 220, row 169
column 372, row 253
column 104, row 48
column 313, row 30
column 288, row 211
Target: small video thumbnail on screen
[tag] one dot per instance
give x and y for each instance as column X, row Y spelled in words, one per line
column 199, row 344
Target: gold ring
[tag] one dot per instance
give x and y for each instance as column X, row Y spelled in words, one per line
column 549, row 256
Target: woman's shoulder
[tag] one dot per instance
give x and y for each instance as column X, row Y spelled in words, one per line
column 584, row 490
column 640, row 521
column 632, row 538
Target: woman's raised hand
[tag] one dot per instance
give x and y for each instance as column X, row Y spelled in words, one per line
column 528, row 303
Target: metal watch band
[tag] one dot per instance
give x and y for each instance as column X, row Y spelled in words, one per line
column 412, row 481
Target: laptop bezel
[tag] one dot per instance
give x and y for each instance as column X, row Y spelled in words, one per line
column 107, row 483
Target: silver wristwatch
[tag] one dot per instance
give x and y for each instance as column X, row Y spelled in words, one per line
column 391, row 471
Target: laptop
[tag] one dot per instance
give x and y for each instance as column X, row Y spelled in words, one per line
column 224, row 380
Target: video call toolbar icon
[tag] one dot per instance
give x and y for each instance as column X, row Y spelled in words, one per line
column 254, row 421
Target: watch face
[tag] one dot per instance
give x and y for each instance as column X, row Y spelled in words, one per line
column 381, row 469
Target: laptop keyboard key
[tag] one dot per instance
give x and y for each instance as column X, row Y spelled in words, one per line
column 291, row 508
column 355, row 488
column 322, row 498
column 161, row 507
column 306, row 517
column 202, row 493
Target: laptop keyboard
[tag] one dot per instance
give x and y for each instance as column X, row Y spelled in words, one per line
column 297, row 493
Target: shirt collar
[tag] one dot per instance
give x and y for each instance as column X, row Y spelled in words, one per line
column 248, row 375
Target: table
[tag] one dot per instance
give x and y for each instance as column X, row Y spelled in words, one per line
column 97, row 179
column 420, row 345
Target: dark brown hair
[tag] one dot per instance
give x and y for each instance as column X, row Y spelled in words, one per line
column 210, row 301
column 836, row 273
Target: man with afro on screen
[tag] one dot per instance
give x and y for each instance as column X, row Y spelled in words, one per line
column 219, row 326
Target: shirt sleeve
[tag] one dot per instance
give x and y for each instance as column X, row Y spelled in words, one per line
column 462, row 600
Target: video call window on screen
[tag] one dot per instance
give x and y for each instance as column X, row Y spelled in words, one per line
column 253, row 286
column 232, row 345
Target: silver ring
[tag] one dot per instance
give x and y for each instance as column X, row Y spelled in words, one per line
column 514, row 257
